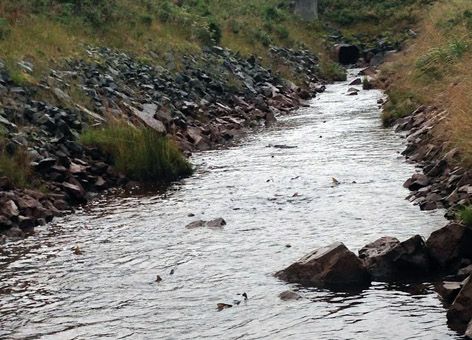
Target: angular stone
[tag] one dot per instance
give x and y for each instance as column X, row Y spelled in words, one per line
column 416, row 182
column 389, row 260
column 216, row 223
column 10, row 209
column 195, row 224
column 460, row 313
column 45, row 164
column 332, row 267
column 449, row 245
column 75, row 191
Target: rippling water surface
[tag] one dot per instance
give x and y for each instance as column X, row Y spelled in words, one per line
column 47, row 292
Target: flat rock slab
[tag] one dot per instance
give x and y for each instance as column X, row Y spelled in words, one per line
column 334, row 267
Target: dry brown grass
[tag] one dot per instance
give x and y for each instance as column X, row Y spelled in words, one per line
column 445, row 42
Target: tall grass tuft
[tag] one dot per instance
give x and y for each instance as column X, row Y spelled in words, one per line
column 465, row 215
column 15, row 166
column 141, row 154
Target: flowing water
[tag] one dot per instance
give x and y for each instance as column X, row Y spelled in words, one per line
column 48, row 292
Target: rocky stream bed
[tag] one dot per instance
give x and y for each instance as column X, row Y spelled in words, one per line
column 328, row 172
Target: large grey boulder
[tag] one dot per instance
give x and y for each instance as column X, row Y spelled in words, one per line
column 388, row 259
column 460, row 313
column 333, row 266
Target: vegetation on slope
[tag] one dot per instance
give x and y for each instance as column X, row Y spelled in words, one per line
column 435, row 71
column 14, row 164
column 37, row 34
column 45, row 31
column 141, row 154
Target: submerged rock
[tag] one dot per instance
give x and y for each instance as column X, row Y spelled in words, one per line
column 289, row 295
column 216, row 223
column 333, row 266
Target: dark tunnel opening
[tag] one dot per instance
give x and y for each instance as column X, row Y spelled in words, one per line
column 348, row 54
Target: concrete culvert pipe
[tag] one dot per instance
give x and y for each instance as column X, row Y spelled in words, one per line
column 347, row 54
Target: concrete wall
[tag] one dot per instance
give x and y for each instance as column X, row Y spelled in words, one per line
column 307, row 9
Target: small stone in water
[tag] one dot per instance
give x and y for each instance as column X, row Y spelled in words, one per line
column 77, row 250
column 288, row 246
column 221, row 306
column 191, row 215
column 289, row 295
column 172, row 272
column 158, row 278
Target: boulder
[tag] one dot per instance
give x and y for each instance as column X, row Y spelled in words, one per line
column 75, row 191
column 416, row 182
column 387, row 259
column 374, row 257
column 333, row 266
column 357, row 81
column 460, row 313
column 449, row 245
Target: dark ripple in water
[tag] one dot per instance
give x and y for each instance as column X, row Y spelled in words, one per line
column 46, row 292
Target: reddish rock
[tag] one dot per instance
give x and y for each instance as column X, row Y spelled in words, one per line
column 460, row 313
column 449, row 245
column 387, row 259
column 75, row 191
column 331, row 267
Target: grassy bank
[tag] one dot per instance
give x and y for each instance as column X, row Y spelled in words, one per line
column 47, row 31
column 36, row 35
column 434, row 71
column 141, row 154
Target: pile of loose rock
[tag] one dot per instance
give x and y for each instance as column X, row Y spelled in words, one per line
column 443, row 183
column 446, row 253
column 208, row 100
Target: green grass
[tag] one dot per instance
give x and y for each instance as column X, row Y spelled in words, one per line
column 465, row 215
column 401, row 103
column 141, row 154
column 16, row 167
column 332, row 71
